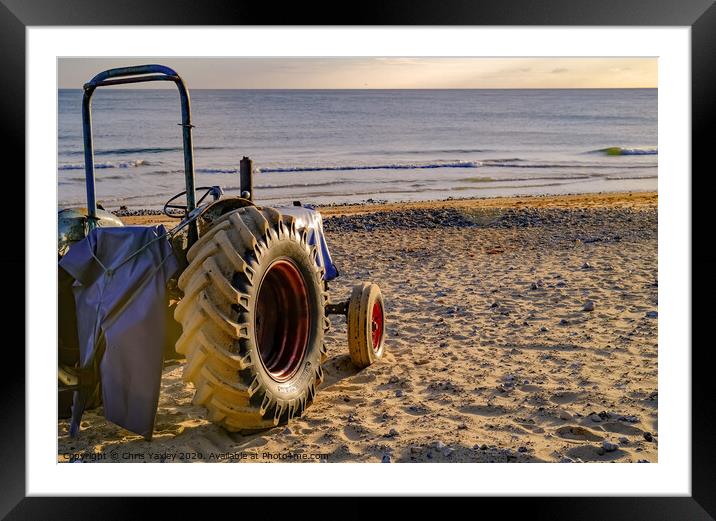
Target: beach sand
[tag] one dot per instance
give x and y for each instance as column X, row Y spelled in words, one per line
column 492, row 352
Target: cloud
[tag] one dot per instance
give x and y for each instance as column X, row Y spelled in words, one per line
column 386, row 72
column 516, row 69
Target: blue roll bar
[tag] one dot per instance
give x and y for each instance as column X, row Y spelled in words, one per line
column 138, row 74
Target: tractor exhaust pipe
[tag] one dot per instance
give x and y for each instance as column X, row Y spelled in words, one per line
column 246, row 181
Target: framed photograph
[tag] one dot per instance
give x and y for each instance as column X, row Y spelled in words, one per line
column 443, row 251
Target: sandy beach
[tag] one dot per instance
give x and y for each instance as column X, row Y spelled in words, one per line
column 519, row 330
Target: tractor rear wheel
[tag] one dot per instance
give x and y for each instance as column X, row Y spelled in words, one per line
column 253, row 320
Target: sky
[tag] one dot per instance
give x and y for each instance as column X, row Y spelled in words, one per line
column 384, row 73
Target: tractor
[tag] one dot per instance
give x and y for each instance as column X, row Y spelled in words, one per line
column 239, row 290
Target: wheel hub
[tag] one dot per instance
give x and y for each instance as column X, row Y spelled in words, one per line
column 376, row 326
column 282, row 319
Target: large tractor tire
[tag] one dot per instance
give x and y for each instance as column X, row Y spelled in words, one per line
column 253, row 320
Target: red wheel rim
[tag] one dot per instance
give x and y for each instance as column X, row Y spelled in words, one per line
column 376, row 325
column 282, row 319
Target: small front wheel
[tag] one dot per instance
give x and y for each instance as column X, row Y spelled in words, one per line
column 366, row 324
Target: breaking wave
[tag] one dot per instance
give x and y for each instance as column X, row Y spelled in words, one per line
column 424, row 151
column 137, row 150
column 390, row 166
column 106, row 164
column 521, row 163
column 217, row 170
column 619, row 151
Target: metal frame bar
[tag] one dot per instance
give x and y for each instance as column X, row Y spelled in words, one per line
column 338, row 308
column 138, row 74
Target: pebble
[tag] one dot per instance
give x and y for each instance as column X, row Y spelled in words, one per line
column 398, row 393
column 652, row 314
column 392, row 433
column 595, row 418
column 588, row 306
column 462, row 426
column 624, row 441
column 564, row 415
column 386, row 458
column 125, row 212
column 564, row 322
column 544, row 329
column 648, row 436
column 440, row 445
column 641, row 224
column 586, row 266
column 609, row 446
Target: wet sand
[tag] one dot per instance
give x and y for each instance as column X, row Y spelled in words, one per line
column 519, row 330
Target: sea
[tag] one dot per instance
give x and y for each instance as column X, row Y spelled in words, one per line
column 341, row 146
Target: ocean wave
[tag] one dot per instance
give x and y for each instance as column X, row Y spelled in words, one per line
column 571, row 166
column 424, row 151
column 106, row 164
column 217, row 170
column 495, row 163
column 141, row 150
column 620, row 178
column 137, row 150
column 620, row 151
column 389, row 166
column 231, row 188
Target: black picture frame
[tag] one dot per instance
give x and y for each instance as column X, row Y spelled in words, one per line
column 16, row 15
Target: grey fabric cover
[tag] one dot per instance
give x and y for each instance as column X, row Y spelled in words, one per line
column 121, row 305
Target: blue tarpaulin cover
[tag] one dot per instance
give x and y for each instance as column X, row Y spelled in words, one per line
column 120, row 296
column 311, row 219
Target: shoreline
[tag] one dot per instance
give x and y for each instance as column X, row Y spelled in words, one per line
column 634, row 200
column 600, row 199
